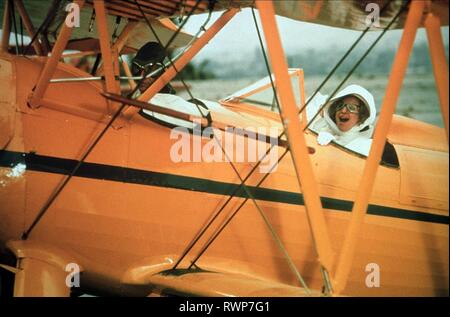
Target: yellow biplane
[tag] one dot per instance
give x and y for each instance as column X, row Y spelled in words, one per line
column 92, row 201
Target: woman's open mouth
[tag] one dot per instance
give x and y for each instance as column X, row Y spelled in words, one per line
column 343, row 119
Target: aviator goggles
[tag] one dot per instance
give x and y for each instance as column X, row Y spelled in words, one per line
column 351, row 108
column 137, row 68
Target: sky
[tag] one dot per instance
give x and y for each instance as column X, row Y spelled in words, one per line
column 239, row 36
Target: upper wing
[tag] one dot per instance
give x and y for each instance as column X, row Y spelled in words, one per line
column 85, row 37
column 353, row 14
column 349, row 14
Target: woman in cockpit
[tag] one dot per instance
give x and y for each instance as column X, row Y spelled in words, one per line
column 347, row 118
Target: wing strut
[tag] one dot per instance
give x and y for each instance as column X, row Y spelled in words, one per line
column 36, row 98
column 29, row 26
column 370, row 170
column 185, row 59
column 6, row 27
column 52, row 63
column 440, row 66
column 112, row 86
column 296, row 138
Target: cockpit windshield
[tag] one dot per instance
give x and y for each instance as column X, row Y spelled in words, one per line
column 260, row 94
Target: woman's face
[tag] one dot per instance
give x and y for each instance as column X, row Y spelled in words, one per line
column 345, row 120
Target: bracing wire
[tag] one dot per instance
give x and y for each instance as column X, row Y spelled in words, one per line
column 44, row 25
column 13, row 19
column 251, row 172
column 282, row 134
column 234, row 168
column 355, row 66
column 166, row 47
column 60, row 188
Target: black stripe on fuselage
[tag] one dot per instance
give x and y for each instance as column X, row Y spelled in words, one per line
column 49, row 164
